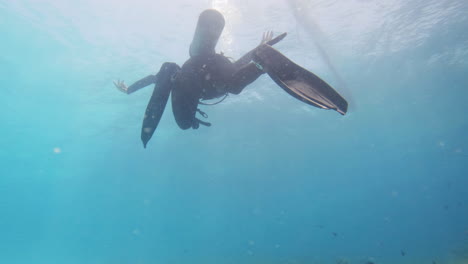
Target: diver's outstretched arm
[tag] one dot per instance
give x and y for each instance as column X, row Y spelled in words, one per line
column 150, row 79
column 266, row 39
column 247, row 72
column 244, row 76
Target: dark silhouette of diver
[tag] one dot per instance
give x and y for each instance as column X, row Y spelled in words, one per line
column 208, row 75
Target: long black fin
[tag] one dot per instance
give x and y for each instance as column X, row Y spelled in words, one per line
column 158, row 101
column 299, row 82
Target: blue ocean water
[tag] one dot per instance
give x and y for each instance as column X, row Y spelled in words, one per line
column 273, row 180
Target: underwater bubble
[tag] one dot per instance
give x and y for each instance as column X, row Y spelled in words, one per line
column 57, row 150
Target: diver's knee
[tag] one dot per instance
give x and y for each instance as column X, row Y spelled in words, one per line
column 184, row 124
column 236, row 90
column 169, row 67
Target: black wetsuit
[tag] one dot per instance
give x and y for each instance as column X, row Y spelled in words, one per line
column 201, row 77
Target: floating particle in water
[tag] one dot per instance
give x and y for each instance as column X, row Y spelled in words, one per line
column 334, row 234
column 136, row 232
column 277, row 246
column 395, row 193
column 251, row 242
column 342, row 261
column 446, row 207
column 441, row 144
column 403, row 253
column 370, row 260
column 57, row 150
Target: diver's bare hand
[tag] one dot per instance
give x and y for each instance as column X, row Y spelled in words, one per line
column 267, row 36
column 121, row 86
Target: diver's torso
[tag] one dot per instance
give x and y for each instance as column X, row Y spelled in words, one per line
column 207, row 77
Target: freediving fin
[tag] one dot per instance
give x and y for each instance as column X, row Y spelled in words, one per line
column 158, row 101
column 209, row 28
column 297, row 81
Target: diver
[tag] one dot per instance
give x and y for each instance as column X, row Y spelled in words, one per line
column 208, row 75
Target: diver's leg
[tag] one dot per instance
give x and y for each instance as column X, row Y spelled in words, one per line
column 185, row 96
column 243, row 77
column 184, row 109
